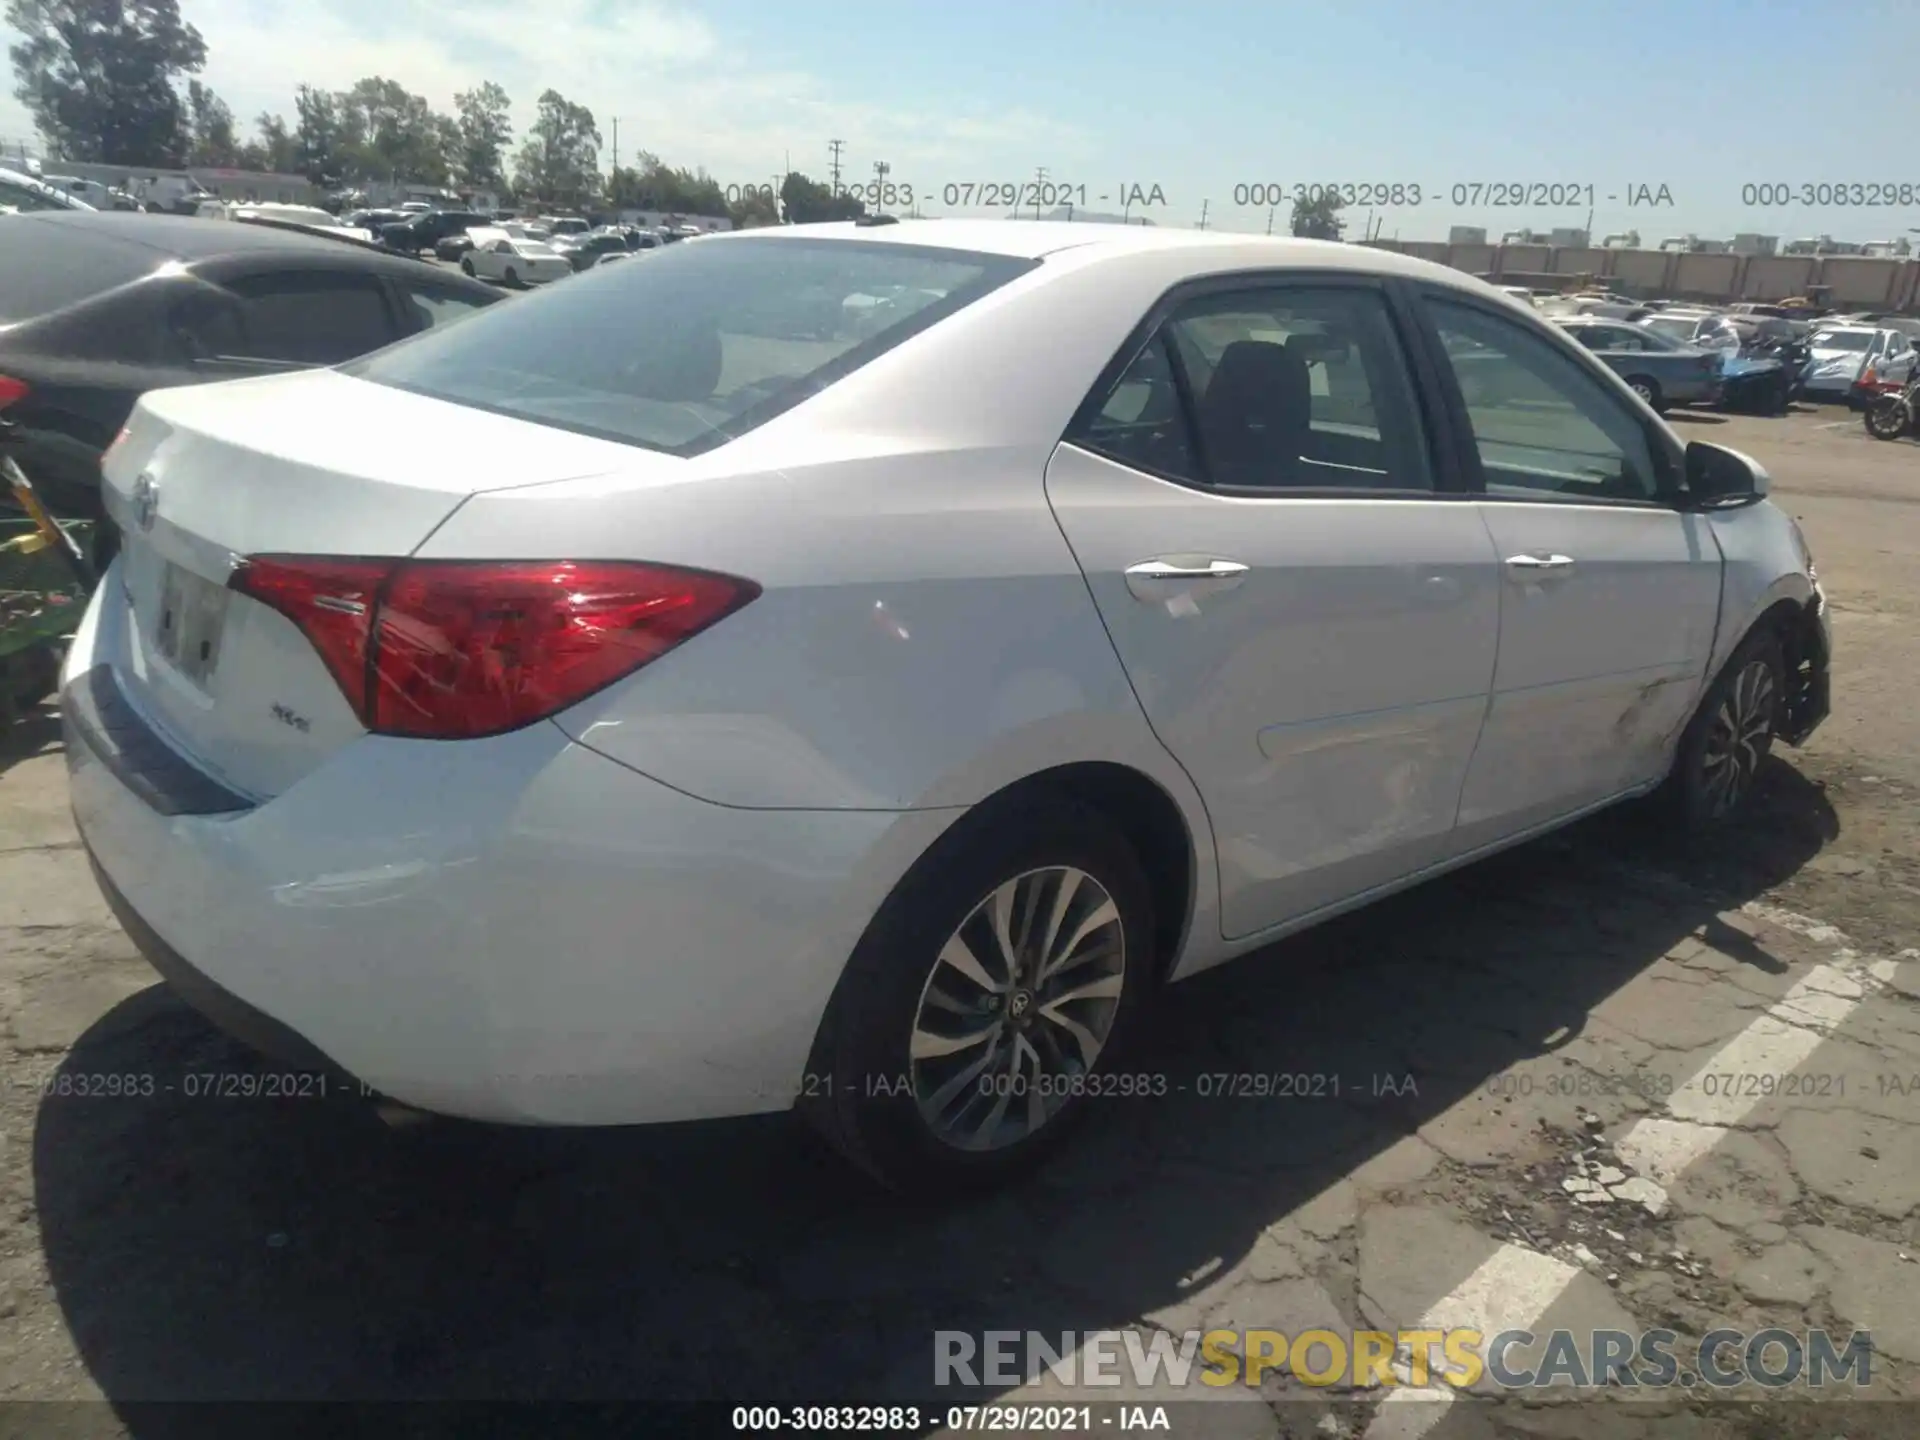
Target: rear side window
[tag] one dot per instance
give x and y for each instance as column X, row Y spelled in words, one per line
column 1288, row 387
column 312, row 319
column 428, row 306
column 700, row 344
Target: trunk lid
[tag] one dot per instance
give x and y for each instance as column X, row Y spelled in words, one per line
column 315, row 463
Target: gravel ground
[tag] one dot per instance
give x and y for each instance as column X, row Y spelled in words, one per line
column 1536, row 1021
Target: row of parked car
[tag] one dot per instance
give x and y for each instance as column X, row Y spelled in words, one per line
column 1751, row 356
column 509, row 250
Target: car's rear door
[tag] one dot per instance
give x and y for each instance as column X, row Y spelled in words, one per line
column 1306, row 604
column 1609, row 592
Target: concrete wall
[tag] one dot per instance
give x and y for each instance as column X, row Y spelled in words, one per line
column 1775, row 277
column 1707, row 276
column 1859, row 282
column 1866, row 283
column 1590, row 260
column 1642, row 271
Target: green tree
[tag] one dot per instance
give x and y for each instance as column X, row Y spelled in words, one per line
column 485, row 132
column 318, row 135
column 652, row 184
column 98, row 76
column 806, row 200
column 1319, row 218
column 210, row 134
column 275, row 150
column 754, row 207
column 560, row 161
column 387, row 132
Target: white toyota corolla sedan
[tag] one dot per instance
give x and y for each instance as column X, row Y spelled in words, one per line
column 652, row 700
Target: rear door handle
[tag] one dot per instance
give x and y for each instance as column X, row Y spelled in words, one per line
column 1532, row 565
column 1172, row 570
column 1182, row 578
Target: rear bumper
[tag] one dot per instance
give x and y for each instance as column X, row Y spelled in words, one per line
column 515, row 929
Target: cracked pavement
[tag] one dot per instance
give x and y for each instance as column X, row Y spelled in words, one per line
column 1607, row 1080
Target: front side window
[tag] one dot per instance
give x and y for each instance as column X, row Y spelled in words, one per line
column 1540, row 421
column 700, row 344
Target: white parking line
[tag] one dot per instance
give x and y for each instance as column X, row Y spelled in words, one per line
column 1511, row 1290
column 1778, row 1042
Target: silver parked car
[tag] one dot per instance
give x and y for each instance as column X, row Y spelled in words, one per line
column 877, row 720
column 1662, row 371
column 1842, row 353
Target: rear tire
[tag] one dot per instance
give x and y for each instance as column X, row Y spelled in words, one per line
column 466, row 266
column 1730, row 736
column 513, row 278
column 1648, row 390
column 899, row 1084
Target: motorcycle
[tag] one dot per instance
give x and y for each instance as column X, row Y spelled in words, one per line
column 1890, row 416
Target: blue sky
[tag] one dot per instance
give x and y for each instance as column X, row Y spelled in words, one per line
column 1198, row 97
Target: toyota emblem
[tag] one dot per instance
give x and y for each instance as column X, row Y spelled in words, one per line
column 146, row 501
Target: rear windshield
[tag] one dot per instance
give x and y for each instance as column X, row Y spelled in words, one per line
column 700, row 344
column 1842, row 340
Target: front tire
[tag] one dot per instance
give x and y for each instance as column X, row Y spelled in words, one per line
column 987, row 1001
column 513, row 278
column 1648, row 390
column 1887, row 418
column 1730, row 735
column 466, row 266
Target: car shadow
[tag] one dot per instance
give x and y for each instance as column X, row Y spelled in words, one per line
column 293, row 1249
column 1693, row 417
column 35, row 733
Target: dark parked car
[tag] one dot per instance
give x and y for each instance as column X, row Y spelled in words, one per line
column 453, row 247
column 425, row 232
column 586, row 252
column 98, row 307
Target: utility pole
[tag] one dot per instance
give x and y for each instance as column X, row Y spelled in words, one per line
column 881, row 169
column 616, row 145
column 1203, row 215
column 1270, row 210
column 1039, row 184
column 834, row 147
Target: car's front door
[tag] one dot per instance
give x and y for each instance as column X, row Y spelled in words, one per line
column 1610, row 591
column 1305, row 602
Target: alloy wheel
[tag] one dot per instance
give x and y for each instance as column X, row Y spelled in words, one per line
column 1736, row 741
column 1021, row 1000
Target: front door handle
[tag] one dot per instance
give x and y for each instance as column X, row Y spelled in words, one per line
column 1182, row 578
column 1531, row 565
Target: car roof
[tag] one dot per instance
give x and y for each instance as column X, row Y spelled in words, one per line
column 180, row 237
column 1035, row 239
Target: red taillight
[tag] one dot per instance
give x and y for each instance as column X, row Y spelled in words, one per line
column 451, row 650
column 12, row 390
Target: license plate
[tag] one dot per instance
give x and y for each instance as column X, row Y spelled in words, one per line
column 187, row 630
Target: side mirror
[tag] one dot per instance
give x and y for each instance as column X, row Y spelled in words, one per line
column 1719, row 478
